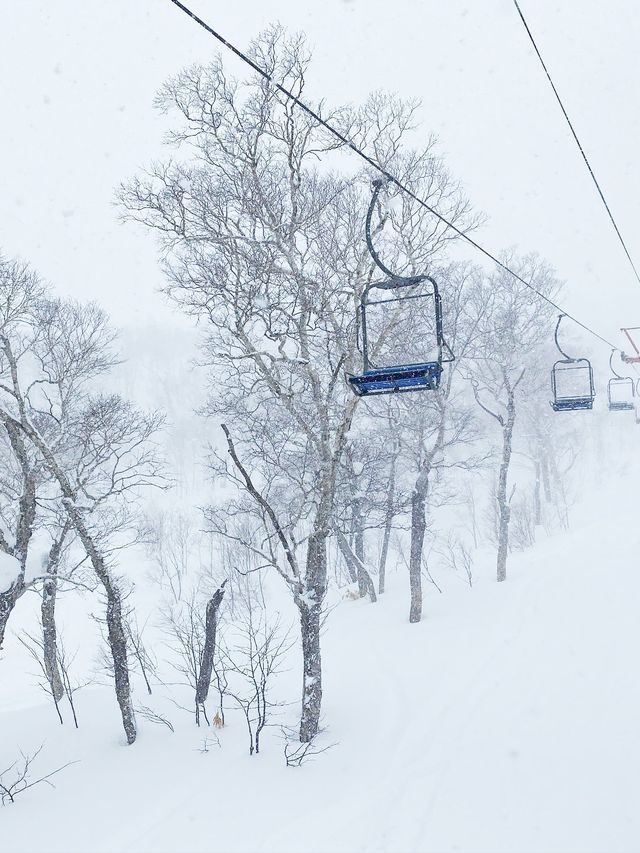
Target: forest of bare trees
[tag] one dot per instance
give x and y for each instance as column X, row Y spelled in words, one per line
column 310, row 492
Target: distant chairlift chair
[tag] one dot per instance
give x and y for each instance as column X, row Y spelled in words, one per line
column 571, row 381
column 397, row 378
column 621, row 390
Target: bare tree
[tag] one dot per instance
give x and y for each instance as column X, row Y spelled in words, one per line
column 60, row 538
column 267, row 250
column 20, row 290
column 515, row 325
column 209, row 646
column 44, row 656
column 49, row 680
column 173, row 541
column 18, row 777
column 97, row 451
column 390, row 510
column 356, row 566
column 145, row 660
column 457, row 556
column 192, row 624
column 254, row 652
column 438, row 431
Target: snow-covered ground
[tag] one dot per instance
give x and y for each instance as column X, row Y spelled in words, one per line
column 506, row 721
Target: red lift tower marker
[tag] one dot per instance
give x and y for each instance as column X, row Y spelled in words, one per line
column 631, row 359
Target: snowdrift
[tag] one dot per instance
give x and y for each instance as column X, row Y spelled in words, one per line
column 505, row 721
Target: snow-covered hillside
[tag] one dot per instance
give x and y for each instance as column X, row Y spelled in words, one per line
column 505, row 721
column 252, row 600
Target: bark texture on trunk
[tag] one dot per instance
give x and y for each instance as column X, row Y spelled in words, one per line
column 116, row 631
column 50, row 639
column 48, row 615
column 312, row 671
column 419, row 510
column 27, row 508
column 358, row 546
column 356, row 566
column 356, row 542
column 118, row 645
column 388, row 522
column 310, row 609
column 546, row 480
column 418, row 529
column 209, row 649
column 24, row 527
column 8, row 601
column 537, row 503
column 504, row 506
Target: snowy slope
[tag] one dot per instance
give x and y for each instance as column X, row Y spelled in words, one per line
column 506, row 721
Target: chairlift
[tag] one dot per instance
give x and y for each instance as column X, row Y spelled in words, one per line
column 571, row 381
column 621, row 390
column 390, row 295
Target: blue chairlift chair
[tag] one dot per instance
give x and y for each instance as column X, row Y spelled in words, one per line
column 397, row 378
column 571, row 381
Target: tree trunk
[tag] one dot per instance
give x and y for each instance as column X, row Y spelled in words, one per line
column 312, row 671
column 504, row 507
column 351, row 568
column 357, row 528
column 418, row 529
column 537, row 504
column 116, row 632
column 388, row 522
column 48, row 615
column 118, row 646
column 24, row 527
column 419, row 513
column 114, row 617
column 208, row 652
column 355, row 565
column 546, row 480
column 561, row 501
column 8, row 601
column 310, row 608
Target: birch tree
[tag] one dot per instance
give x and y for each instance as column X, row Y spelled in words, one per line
column 96, row 449
column 514, row 330
column 436, row 430
column 20, row 289
column 264, row 245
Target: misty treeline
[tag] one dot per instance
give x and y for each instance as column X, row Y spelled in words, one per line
column 260, row 222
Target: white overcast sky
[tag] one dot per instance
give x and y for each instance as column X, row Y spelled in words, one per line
column 76, row 118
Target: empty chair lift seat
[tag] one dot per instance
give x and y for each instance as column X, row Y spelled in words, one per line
column 571, row 381
column 404, row 377
column 569, row 404
column 621, row 392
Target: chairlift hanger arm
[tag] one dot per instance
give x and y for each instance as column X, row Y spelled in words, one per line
column 612, row 368
column 399, row 280
column 560, row 350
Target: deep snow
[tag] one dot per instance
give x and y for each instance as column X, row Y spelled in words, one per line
column 506, row 721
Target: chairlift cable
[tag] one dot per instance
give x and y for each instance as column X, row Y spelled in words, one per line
column 577, row 140
column 371, row 162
